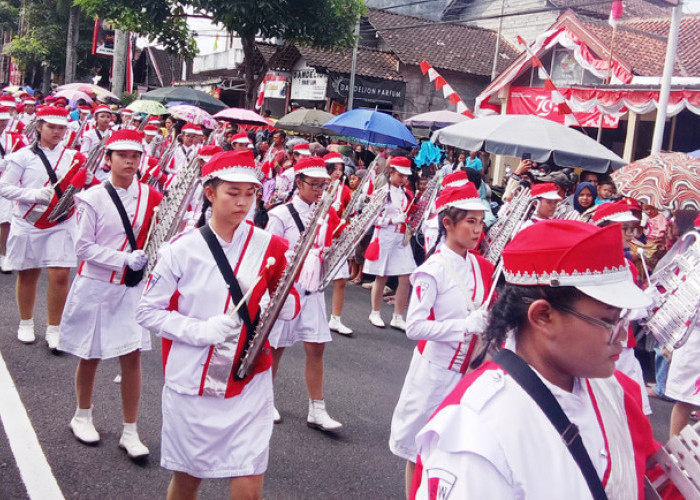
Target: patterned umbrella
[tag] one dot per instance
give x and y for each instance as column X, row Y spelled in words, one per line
column 90, row 88
column 147, row 107
column 193, row 114
column 665, row 180
column 241, row 115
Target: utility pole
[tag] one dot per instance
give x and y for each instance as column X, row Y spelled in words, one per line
column 121, row 39
column 72, row 44
column 498, row 42
column 671, row 48
column 351, row 90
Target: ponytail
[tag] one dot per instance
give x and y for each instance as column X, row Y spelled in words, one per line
column 206, row 204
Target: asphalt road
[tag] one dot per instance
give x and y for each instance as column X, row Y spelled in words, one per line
column 363, row 379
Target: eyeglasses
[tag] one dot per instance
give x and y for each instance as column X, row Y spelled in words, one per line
column 615, row 328
column 634, row 229
column 316, row 186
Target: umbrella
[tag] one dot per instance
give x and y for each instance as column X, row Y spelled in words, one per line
column 694, row 154
column 513, row 135
column 74, row 96
column 665, row 180
column 373, row 127
column 147, row 107
column 11, row 89
column 187, row 95
column 306, row 121
column 193, row 114
column 90, row 88
column 241, row 115
column 435, row 119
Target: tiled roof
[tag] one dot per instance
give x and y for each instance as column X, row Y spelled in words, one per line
column 456, row 47
column 370, row 62
column 632, row 8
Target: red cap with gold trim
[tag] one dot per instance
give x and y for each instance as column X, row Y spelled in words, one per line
column 312, row 167
column 464, row 197
column 125, row 140
column 614, row 211
column 53, row 114
column 232, row 166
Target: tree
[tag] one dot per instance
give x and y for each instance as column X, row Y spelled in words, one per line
column 320, row 23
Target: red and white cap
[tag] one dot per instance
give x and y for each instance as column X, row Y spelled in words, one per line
column 546, row 191
column 240, row 138
column 614, row 211
column 302, row 149
column 84, row 108
column 102, row 108
column 464, row 197
column 572, row 253
column 150, row 130
column 126, row 111
column 125, row 140
column 333, row 157
column 207, row 152
column 154, row 120
column 193, row 129
column 312, row 166
column 455, row 179
column 5, row 113
column 8, row 100
column 29, row 100
column 401, row 164
column 53, row 114
column 232, row 166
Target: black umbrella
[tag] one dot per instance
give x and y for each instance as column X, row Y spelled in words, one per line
column 186, row 95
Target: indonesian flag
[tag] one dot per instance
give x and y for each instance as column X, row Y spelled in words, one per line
column 615, row 13
column 261, row 95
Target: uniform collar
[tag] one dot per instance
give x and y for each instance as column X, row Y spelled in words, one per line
column 301, row 205
column 132, row 190
column 239, row 234
column 448, row 253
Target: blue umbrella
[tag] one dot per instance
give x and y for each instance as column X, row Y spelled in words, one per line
column 695, row 154
column 373, row 127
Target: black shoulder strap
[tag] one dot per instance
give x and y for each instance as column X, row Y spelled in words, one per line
column 122, row 213
column 533, row 385
column 49, row 169
column 225, row 268
column 295, row 216
column 2, row 151
column 97, row 132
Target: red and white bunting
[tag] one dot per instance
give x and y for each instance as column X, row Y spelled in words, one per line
column 447, row 91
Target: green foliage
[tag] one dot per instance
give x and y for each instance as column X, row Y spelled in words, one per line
column 28, row 50
column 9, row 14
column 128, row 98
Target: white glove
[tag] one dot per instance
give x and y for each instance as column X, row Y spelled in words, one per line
column 477, row 321
column 653, row 293
column 44, row 195
column 216, row 329
column 136, row 260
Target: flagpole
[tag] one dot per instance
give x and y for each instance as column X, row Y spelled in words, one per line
column 607, row 80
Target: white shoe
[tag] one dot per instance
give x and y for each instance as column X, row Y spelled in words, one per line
column 82, row 427
column 118, row 379
column 337, row 326
column 276, row 417
column 52, row 337
column 3, row 268
column 398, row 322
column 25, row 333
column 376, row 319
column 131, row 443
column 318, row 417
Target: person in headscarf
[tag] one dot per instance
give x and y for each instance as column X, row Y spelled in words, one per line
column 584, row 197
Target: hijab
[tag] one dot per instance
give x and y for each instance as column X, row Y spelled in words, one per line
column 581, row 187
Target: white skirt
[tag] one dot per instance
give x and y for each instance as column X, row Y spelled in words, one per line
column 5, row 210
column 683, row 382
column 343, row 273
column 32, row 248
column 395, row 258
column 425, row 387
column 310, row 325
column 99, row 320
column 209, row 437
column 629, row 365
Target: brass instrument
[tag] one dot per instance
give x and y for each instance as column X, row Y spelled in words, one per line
column 172, row 209
column 567, row 212
column 518, row 211
column 678, row 461
column 335, row 255
column 358, row 196
column 677, row 307
column 66, row 202
column 420, row 210
column 306, row 240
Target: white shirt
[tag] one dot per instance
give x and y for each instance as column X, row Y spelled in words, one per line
column 90, row 139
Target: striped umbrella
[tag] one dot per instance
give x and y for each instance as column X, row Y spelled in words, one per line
column 665, row 180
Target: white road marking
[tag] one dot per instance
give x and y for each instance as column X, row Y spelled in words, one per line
column 31, row 461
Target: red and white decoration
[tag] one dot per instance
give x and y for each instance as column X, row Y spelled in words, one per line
column 312, row 167
column 125, row 140
column 232, row 166
column 447, row 91
column 546, row 191
column 465, row 197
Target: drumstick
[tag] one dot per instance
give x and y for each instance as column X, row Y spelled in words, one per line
column 496, row 276
column 270, row 262
column 640, row 251
column 152, row 226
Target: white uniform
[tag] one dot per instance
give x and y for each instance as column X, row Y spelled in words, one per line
column 92, row 138
column 182, row 156
column 213, row 426
column 489, row 439
column 436, row 318
column 26, row 118
column 5, row 204
column 284, row 183
column 311, row 325
column 29, row 247
column 683, row 382
column 98, row 319
column 395, row 258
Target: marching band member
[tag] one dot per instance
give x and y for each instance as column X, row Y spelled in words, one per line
column 392, row 258
column 336, row 169
column 9, row 142
column 92, row 137
column 619, row 213
column 126, row 116
column 548, row 197
column 311, row 326
column 185, row 151
column 240, row 142
column 35, row 178
column 15, row 124
column 149, row 143
column 215, row 426
column 98, row 321
column 567, row 283
column 430, row 226
column 28, row 115
column 285, row 179
column 444, row 316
